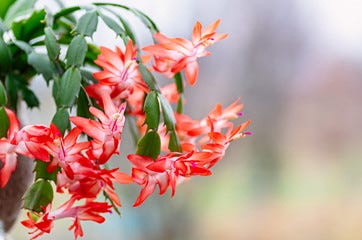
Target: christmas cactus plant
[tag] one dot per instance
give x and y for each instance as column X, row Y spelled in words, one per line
column 97, row 91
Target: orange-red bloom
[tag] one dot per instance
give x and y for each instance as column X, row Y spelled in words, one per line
column 106, row 134
column 8, row 149
column 65, row 150
column 120, row 69
column 172, row 55
column 89, row 211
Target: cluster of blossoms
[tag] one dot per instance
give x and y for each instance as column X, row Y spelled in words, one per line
column 187, row 147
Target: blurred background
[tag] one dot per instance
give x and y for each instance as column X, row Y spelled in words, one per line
column 297, row 66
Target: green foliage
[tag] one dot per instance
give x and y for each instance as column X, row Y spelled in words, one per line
column 167, row 113
column 51, row 44
column 19, row 8
column 152, row 109
column 66, row 88
column 92, row 54
column 31, row 27
column 128, row 29
column 3, row 97
column 5, row 57
column 29, row 97
column 87, row 24
column 76, row 51
column 4, row 120
column 61, row 120
column 170, row 121
column 23, row 46
column 179, row 82
column 83, row 104
column 149, row 145
column 4, row 6
column 87, row 77
column 146, row 20
column 180, row 89
column 42, row 65
column 39, row 194
column 12, row 88
column 41, row 171
column 112, row 24
column 174, row 143
column 148, row 78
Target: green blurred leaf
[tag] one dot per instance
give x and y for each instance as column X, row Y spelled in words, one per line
column 66, row 11
column 29, row 97
column 23, row 46
column 31, row 27
column 83, row 104
column 149, row 145
column 51, row 44
column 61, row 120
column 128, row 30
column 167, row 113
column 87, row 24
column 88, row 76
column 66, row 89
column 4, row 6
column 148, row 77
column 2, row 28
column 76, row 51
column 92, row 54
column 42, row 65
column 5, row 56
column 12, row 88
column 19, row 8
column 152, row 109
column 180, row 105
column 174, row 142
column 41, row 171
column 129, row 34
column 180, row 89
column 39, row 194
column 112, row 24
column 179, row 83
column 4, row 122
column 146, row 20
column 3, row 95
